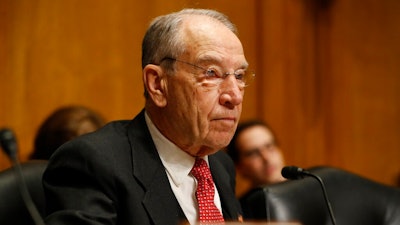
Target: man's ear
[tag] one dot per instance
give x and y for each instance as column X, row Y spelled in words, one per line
column 155, row 83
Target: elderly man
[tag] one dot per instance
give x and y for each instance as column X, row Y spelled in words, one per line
column 164, row 166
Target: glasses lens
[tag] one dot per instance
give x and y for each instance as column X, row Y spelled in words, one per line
column 251, row 76
column 247, row 77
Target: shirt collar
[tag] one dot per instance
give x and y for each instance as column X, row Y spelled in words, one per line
column 177, row 162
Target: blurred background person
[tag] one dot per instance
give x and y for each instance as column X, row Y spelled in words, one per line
column 257, row 157
column 62, row 125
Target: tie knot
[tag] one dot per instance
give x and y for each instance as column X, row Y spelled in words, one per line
column 200, row 170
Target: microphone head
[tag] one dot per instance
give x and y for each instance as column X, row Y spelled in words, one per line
column 8, row 142
column 293, row 172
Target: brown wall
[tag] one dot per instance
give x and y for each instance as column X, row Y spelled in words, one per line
column 328, row 71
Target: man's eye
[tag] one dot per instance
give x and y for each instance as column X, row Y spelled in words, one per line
column 211, row 73
column 239, row 75
column 252, row 153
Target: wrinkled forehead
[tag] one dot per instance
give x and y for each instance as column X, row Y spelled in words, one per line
column 203, row 31
column 207, row 38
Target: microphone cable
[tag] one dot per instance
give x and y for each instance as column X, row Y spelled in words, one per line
column 294, row 173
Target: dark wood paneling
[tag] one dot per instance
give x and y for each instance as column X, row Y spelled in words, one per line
column 332, row 83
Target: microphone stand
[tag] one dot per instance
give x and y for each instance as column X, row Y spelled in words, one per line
column 325, row 195
column 9, row 144
column 25, row 194
column 294, row 172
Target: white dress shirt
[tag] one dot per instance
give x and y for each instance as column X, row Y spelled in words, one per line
column 178, row 165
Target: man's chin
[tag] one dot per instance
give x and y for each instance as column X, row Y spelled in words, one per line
column 218, row 146
column 224, row 125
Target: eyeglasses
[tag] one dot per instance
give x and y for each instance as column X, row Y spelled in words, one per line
column 257, row 152
column 214, row 76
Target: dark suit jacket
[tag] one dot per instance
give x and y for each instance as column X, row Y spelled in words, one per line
column 115, row 176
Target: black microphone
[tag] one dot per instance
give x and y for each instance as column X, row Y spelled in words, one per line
column 294, row 173
column 9, row 144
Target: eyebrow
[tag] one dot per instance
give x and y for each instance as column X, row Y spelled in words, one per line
column 215, row 60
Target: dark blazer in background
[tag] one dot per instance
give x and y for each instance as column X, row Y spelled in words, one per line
column 115, row 176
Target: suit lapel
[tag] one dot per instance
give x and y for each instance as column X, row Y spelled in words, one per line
column 221, row 178
column 159, row 199
column 160, row 202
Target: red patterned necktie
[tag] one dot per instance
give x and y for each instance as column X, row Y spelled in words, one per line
column 208, row 212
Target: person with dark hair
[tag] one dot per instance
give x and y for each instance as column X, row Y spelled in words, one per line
column 256, row 154
column 64, row 124
column 165, row 166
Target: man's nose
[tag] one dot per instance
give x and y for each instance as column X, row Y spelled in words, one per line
column 231, row 92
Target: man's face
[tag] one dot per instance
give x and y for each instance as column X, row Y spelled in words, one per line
column 203, row 115
column 260, row 160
